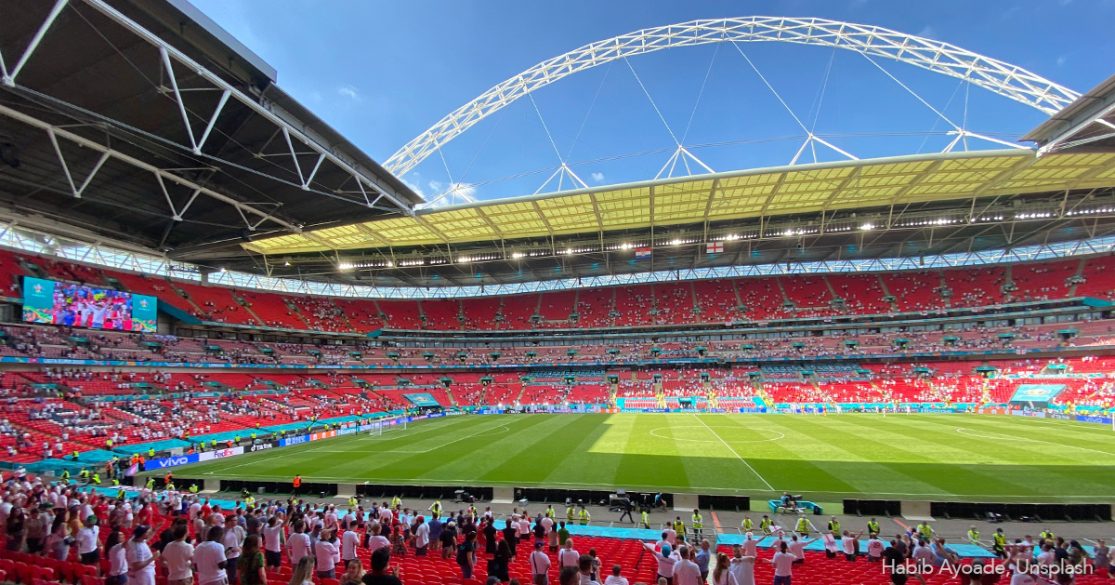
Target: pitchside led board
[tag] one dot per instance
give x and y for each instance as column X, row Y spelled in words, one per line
column 76, row 305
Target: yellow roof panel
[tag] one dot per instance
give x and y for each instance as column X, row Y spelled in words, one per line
column 739, row 195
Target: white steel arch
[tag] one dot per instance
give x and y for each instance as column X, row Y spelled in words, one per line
column 994, row 75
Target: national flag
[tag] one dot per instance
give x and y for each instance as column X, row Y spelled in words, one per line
column 642, row 253
column 131, row 471
column 714, row 247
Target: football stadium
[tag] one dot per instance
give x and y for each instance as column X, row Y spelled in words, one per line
column 663, row 297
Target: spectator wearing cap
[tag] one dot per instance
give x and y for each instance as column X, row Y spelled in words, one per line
column 88, row 543
column 539, row 565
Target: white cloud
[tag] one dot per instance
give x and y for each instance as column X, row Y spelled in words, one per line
column 598, row 177
column 349, row 92
column 927, row 32
column 1061, row 60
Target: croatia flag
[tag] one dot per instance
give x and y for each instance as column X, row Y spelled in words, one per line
column 714, row 247
column 642, row 253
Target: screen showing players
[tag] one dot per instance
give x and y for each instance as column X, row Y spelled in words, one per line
column 76, row 305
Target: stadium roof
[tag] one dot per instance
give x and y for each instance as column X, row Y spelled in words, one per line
column 1087, row 123
column 752, row 194
column 146, row 124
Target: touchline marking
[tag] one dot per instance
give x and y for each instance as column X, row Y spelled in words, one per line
column 1005, row 437
column 742, row 460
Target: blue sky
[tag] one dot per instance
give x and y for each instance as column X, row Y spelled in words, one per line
column 382, row 72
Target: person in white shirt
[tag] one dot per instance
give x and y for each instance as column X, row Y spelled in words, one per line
column 330, row 518
column 1047, row 556
column 666, row 562
column 233, row 540
column 350, row 540
column 670, row 535
column 88, row 544
column 848, row 545
column 568, row 556
column 325, row 556
column 210, row 557
column 298, row 545
column 741, row 567
column 1021, row 575
column 117, row 561
column 378, row 541
column 750, row 545
column 831, row 546
column 178, row 556
column 539, row 565
column 797, row 548
column 141, row 561
column 783, row 563
column 524, row 527
column 686, row 572
column 923, row 555
column 874, row 549
column 421, row 537
column 273, row 542
column 615, row 578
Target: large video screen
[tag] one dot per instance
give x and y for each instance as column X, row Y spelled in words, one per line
column 1036, row 392
column 75, row 305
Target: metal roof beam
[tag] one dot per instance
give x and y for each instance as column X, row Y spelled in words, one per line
column 55, row 131
column 172, row 52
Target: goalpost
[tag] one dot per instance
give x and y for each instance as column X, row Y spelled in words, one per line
column 380, row 425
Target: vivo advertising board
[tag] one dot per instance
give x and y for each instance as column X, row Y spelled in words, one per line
column 173, row 461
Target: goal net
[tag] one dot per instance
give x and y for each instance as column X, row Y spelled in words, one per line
column 382, row 425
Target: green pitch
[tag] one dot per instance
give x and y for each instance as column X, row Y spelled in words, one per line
column 939, row 457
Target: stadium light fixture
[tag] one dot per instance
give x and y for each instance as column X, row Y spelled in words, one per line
column 867, row 227
column 517, row 255
column 345, row 266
